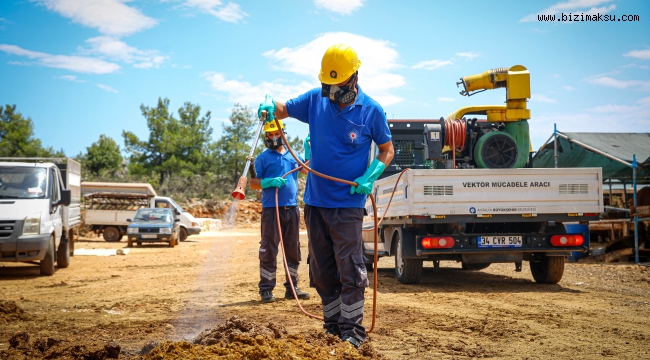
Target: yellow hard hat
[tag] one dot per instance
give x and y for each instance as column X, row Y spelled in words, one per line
column 339, row 63
column 270, row 126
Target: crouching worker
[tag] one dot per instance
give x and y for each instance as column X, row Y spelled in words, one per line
column 270, row 165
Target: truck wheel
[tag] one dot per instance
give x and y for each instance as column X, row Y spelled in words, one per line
column 475, row 267
column 111, row 234
column 548, row 270
column 183, row 234
column 408, row 271
column 63, row 255
column 47, row 264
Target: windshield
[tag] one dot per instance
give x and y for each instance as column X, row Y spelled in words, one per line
column 176, row 205
column 154, row 216
column 18, row 182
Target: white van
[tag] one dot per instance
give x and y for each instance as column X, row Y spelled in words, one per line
column 108, row 206
column 39, row 208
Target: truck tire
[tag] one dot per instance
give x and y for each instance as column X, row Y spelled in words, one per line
column 47, row 264
column 112, row 234
column 475, row 267
column 63, row 254
column 548, row 270
column 183, row 234
column 408, row 271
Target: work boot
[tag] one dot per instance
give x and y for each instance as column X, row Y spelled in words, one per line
column 267, row 296
column 333, row 330
column 356, row 343
column 301, row 294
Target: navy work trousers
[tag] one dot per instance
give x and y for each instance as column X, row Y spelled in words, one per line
column 290, row 224
column 336, row 266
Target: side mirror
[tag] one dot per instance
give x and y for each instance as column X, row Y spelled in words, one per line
column 177, row 212
column 177, row 220
column 66, row 198
column 128, row 220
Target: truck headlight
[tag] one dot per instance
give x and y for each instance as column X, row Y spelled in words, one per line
column 32, row 224
column 131, row 230
column 165, row 230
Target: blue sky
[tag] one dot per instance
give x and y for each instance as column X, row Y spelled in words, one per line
column 82, row 68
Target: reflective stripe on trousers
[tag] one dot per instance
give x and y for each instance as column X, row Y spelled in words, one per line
column 336, row 266
column 290, row 223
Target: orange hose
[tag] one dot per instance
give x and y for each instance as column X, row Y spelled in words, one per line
column 284, row 256
column 456, row 133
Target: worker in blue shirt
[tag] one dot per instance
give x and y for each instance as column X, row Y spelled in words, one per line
column 343, row 123
column 270, row 165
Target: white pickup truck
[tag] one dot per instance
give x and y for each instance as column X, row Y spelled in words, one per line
column 39, row 210
column 479, row 216
column 108, row 206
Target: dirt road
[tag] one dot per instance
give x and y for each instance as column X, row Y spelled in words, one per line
column 155, row 293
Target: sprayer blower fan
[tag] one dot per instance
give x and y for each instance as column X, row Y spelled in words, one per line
column 499, row 151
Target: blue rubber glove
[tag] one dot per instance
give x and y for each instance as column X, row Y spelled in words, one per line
column 368, row 178
column 277, row 182
column 307, row 148
column 269, row 105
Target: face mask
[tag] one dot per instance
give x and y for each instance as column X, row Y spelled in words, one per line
column 343, row 94
column 273, row 143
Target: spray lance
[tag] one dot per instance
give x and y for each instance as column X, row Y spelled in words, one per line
column 239, row 193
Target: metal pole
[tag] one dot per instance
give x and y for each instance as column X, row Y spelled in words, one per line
column 555, row 142
column 636, row 216
column 624, row 197
column 610, row 194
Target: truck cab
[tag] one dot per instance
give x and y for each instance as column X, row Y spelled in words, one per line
column 109, row 205
column 38, row 212
column 188, row 223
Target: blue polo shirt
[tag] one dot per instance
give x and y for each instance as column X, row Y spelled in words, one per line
column 340, row 144
column 270, row 164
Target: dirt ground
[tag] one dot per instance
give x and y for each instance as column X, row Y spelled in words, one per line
column 200, row 300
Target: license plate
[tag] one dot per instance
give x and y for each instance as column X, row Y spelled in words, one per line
column 149, row 236
column 499, row 241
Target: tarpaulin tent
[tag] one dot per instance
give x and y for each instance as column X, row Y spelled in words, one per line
column 613, row 152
